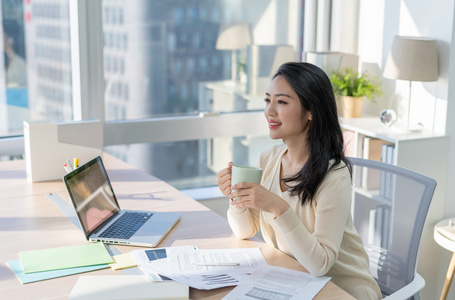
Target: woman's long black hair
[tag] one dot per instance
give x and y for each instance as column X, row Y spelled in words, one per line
column 325, row 138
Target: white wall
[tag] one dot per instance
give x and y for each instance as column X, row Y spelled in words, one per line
column 344, row 26
column 379, row 22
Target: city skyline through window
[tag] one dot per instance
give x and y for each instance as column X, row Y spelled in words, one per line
column 160, row 60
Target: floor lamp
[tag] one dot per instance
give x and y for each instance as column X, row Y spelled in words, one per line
column 234, row 37
column 413, row 59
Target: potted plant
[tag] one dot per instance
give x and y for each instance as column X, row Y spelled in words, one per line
column 351, row 88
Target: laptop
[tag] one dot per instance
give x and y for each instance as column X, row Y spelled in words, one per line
column 100, row 216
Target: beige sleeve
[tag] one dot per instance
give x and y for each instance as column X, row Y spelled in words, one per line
column 244, row 222
column 318, row 251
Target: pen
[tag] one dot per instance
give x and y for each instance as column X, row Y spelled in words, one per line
column 67, row 169
column 221, row 264
column 76, row 162
column 69, row 165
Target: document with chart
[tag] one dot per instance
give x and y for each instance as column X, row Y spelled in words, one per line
column 270, row 282
column 204, row 269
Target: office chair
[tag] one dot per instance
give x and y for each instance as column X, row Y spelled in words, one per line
column 389, row 209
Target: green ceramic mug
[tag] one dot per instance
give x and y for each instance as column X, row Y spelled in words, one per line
column 245, row 174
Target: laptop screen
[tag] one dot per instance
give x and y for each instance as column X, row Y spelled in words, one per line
column 92, row 195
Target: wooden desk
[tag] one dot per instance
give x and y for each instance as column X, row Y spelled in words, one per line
column 29, row 221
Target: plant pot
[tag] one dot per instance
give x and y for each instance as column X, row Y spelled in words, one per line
column 350, row 107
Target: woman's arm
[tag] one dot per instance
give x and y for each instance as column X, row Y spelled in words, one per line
column 244, row 218
column 244, row 222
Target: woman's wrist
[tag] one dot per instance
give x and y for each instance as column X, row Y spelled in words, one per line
column 281, row 209
column 237, row 210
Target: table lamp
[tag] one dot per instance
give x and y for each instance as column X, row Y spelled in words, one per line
column 413, row 59
column 234, row 37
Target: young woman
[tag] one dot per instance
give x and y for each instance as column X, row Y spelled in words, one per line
column 302, row 205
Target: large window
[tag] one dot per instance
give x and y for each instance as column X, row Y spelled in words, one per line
column 159, row 55
column 178, row 83
column 35, row 70
column 174, row 58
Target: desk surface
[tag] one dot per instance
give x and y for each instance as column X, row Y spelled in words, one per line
column 29, row 221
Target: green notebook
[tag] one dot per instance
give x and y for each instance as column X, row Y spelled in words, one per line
column 64, row 257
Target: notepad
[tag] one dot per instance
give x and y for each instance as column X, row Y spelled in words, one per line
column 123, row 261
column 64, row 257
column 116, row 287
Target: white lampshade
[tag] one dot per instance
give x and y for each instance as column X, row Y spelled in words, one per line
column 234, row 37
column 412, row 58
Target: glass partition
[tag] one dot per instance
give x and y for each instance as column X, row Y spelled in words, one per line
column 195, row 163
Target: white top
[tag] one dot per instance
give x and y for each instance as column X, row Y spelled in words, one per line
column 320, row 235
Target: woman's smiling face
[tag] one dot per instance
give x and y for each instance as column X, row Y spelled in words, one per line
column 284, row 113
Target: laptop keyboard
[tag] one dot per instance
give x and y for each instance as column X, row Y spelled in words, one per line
column 125, row 226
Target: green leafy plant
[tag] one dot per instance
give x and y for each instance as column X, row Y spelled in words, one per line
column 350, row 83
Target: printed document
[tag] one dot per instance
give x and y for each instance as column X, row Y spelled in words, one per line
column 144, row 257
column 248, row 259
column 270, row 282
column 181, row 264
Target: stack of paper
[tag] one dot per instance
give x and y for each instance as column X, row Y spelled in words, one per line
column 270, row 282
column 57, row 262
column 245, row 268
column 203, row 269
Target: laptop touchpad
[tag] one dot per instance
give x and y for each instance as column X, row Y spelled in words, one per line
column 154, row 228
